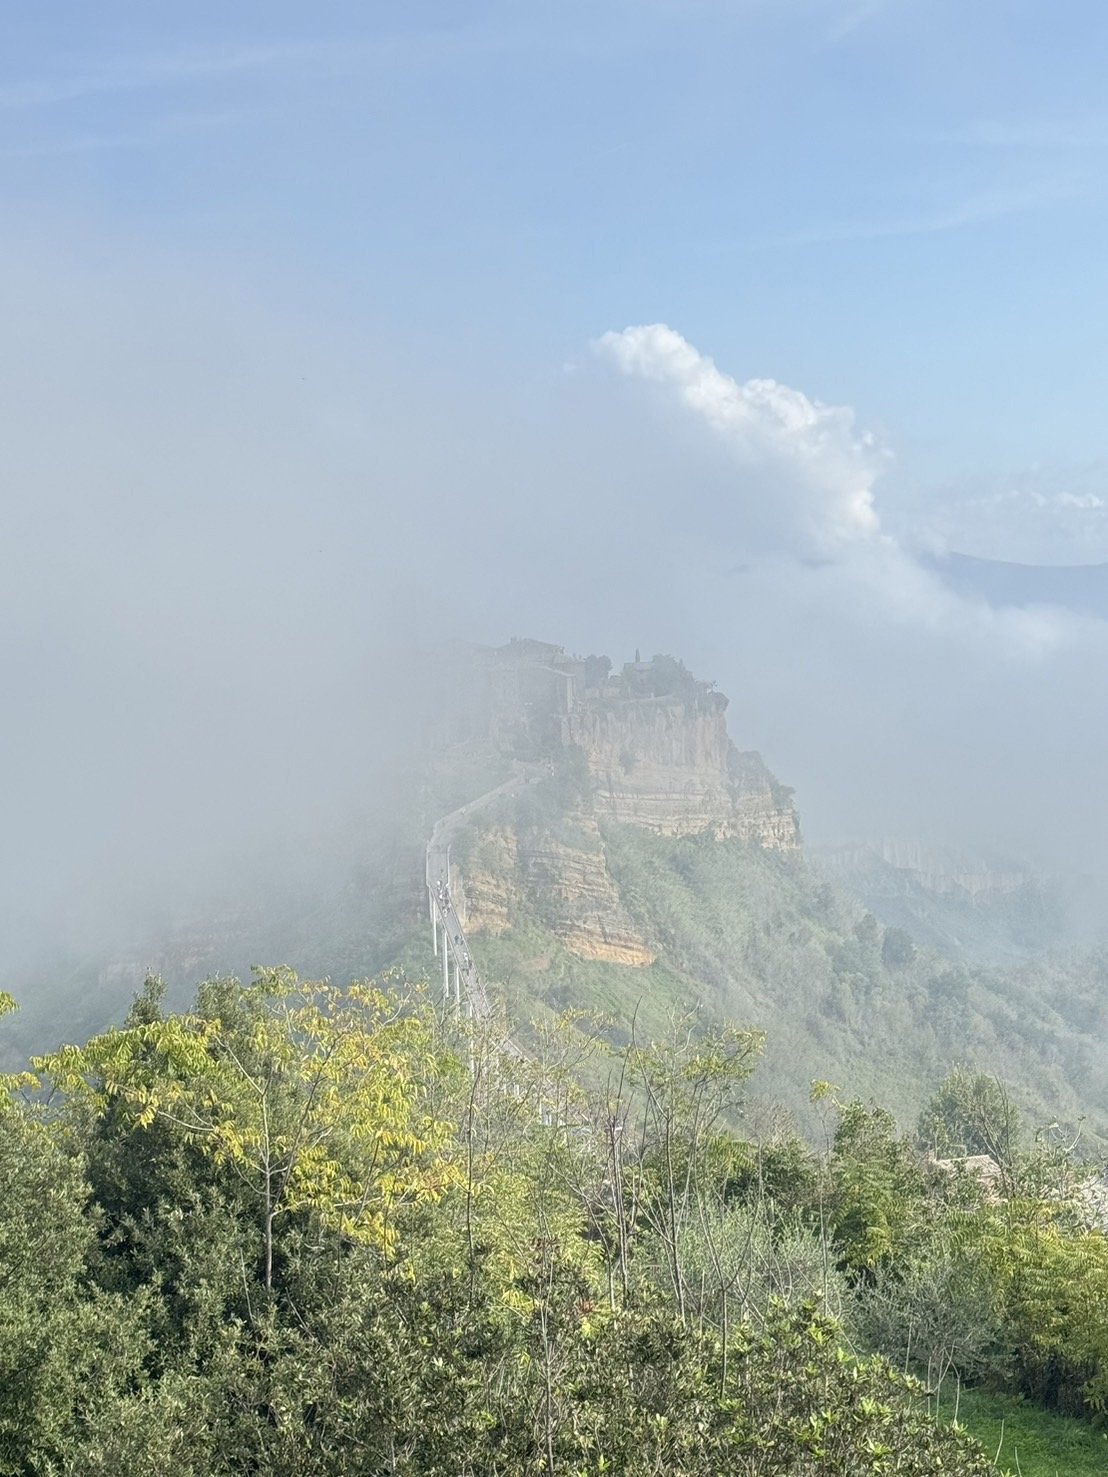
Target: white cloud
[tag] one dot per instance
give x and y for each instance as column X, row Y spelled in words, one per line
column 894, row 697
column 804, row 515
column 821, row 469
column 156, row 133
column 1085, row 501
column 848, row 18
column 110, row 75
column 1042, row 515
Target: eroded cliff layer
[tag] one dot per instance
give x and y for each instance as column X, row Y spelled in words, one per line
column 560, row 879
column 667, row 764
column 650, row 748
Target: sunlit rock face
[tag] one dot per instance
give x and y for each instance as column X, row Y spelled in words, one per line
column 653, row 741
column 657, row 762
column 668, row 765
column 568, row 883
column 656, row 744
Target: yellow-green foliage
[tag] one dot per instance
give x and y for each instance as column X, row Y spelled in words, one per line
column 1051, row 1282
column 11, row 1082
column 348, row 1236
column 314, row 1096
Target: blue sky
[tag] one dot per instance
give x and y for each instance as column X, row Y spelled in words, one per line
column 688, row 325
column 897, row 205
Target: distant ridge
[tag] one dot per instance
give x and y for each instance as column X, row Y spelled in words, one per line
column 988, row 910
column 1080, row 588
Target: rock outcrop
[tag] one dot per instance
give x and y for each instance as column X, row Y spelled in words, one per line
column 654, row 745
column 568, row 884
column 665, row 762
column 764, row 812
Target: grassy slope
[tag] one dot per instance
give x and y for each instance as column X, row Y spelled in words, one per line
column 752, row 936
column 1028, row 1441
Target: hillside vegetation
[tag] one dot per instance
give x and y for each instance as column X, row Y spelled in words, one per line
column 763, row 1187
column 305, row 1231
column 753, row 936
column 646, row 864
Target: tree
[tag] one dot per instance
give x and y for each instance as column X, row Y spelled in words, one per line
column 74, row 1387
column 685, row 1085
column 320, row 1234
column 11, row 1082
column 653, row 1395
column 971, row 1113
column 308, row 1095
column 897, row 949
column 878, row 1189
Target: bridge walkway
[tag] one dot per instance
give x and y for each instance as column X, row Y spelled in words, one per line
column 461, row 979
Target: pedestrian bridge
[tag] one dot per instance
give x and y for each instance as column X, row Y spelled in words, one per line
column 462, row 985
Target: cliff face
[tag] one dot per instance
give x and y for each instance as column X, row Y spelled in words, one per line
column 657, row 755
column 764, row 812
column 668, row 765
column 567, row 884
column 657, row 764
